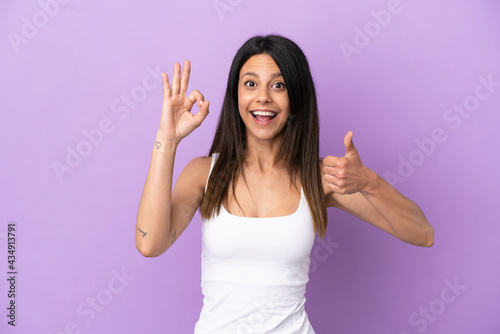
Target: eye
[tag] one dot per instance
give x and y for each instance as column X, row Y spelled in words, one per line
column 279, row 85
column 249, row 83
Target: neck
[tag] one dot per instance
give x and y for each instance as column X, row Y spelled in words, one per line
column 261, row 153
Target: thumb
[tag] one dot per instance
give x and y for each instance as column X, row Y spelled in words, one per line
column 349, row 145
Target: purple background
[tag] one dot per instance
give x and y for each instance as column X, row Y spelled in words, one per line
column 76, row 232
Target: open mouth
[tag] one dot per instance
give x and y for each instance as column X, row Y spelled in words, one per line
column 263, row 116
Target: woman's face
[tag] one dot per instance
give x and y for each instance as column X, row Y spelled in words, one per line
column 262, row 98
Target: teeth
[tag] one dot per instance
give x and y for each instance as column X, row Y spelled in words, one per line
column 263, row 113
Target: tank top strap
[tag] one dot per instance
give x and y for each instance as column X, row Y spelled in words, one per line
column 214, row 158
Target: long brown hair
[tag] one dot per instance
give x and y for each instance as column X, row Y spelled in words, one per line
column 300, row 148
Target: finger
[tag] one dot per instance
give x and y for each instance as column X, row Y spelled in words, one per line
column 186, row 71
column 166, row 85
column 195, row 97
column 349, row 145
column 332, row 161
column 202, row 113
column 336, row 172
column 337, row 189
column 340, row 186
column 176, row 80
column 330, row 178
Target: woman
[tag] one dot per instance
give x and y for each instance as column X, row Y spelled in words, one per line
column 262, row 191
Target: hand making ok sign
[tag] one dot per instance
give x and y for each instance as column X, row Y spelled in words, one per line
column 176, row 120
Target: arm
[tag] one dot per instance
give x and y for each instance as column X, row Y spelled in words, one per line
column 356, row 189
column 163, row 216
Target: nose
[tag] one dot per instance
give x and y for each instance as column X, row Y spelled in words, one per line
column 264, row 96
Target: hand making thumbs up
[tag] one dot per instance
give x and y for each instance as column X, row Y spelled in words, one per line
column 347, row 174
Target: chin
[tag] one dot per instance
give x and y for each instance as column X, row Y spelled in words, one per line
column 267, row 135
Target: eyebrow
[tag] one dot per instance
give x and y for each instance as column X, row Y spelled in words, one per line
column 274, row 75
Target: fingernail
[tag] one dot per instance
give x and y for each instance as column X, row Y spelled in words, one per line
column 201, row 102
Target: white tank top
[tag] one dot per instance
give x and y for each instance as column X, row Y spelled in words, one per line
column 254, row 273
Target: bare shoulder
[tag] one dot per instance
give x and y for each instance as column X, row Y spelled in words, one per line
column 190, row 185
column 203, row 162
column 197, row 170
